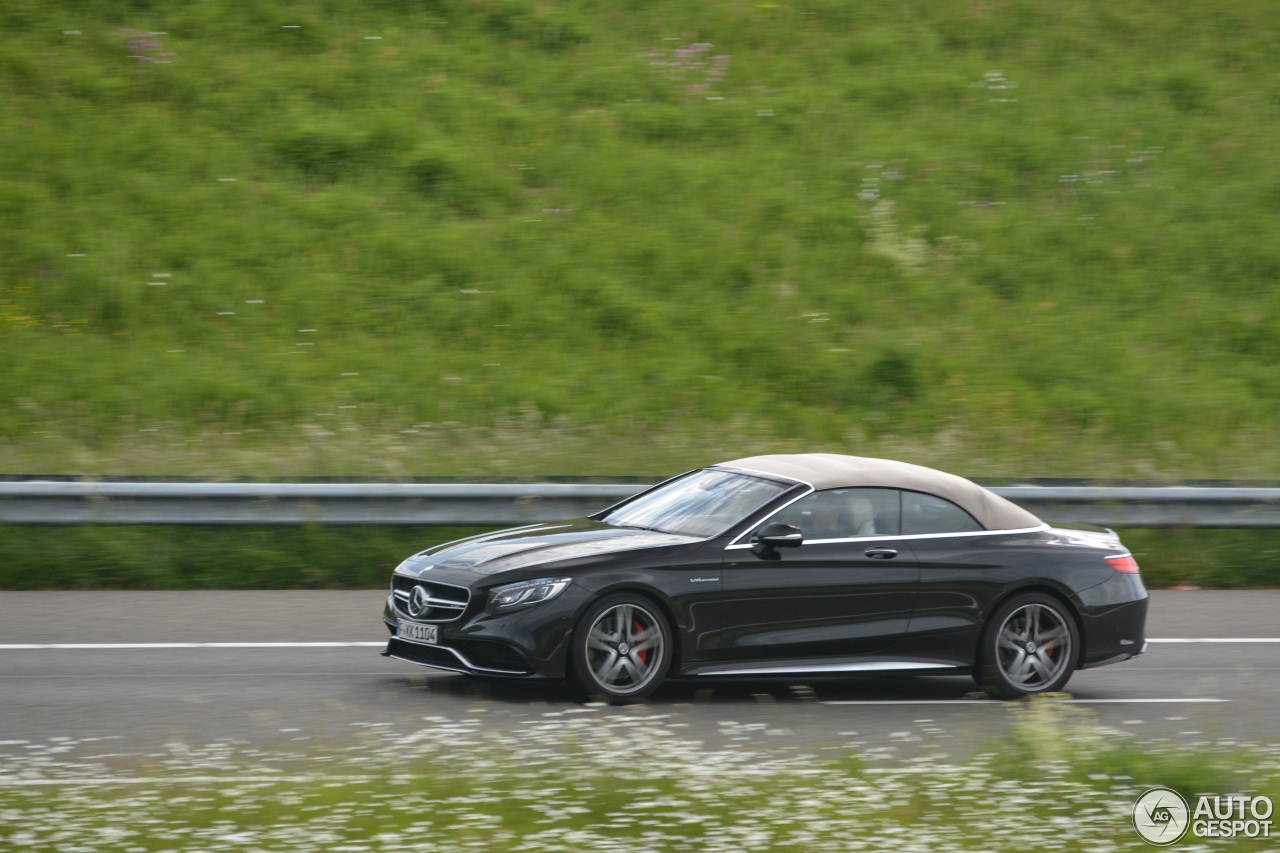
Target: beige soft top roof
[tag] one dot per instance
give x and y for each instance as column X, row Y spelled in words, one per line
column 834, row 471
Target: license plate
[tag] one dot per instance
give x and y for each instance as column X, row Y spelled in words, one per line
column 415, row 632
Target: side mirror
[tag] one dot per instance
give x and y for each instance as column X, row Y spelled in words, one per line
column 777, row 535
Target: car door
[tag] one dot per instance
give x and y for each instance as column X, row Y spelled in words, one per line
column 961, row 567
column 847, row 590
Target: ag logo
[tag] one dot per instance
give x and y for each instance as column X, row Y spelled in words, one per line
column 1161, row 816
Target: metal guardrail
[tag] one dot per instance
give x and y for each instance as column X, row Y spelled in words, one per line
column 1160, row 506
column 497, row 505
column 462, row 504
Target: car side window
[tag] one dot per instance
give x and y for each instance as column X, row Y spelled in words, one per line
column 843, row 514
column 923, row 513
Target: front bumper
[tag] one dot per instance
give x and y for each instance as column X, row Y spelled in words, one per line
column 528, row 643
column 452, row 659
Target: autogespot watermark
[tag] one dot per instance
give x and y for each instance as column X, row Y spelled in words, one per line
column 1162, row 817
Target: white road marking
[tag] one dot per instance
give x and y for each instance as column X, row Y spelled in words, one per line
column 82, row 676
column 1142, row 701
column 998, row 702
column 325, row 645
column 381, row 643
column 1218, row 640
column 176, row 780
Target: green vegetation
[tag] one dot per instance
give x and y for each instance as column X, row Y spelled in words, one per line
column 1210, row 559
column 363, row 557
column 210, row 557
column 401, row 238
column 417, row 237
column 594, row 778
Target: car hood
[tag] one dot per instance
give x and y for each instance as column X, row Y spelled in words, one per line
column 530, row 546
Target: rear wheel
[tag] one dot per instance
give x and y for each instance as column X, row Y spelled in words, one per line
column 1030, row 645
column 621, row 649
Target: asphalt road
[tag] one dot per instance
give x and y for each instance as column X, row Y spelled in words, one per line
column 1211, row 684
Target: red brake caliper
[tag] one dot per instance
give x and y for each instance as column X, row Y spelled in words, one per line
column 644, row 654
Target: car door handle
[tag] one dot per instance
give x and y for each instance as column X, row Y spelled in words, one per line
column 881, row 553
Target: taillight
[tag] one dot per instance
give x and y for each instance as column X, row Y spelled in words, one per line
column 1123, row 564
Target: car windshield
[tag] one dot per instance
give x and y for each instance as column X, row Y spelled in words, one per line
column 704, row 503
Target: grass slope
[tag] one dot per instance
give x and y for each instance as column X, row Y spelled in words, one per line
column 442, row 236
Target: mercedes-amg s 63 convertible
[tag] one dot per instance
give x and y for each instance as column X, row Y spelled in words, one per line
column 812, row 564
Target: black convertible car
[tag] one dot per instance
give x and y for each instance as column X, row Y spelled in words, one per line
column 813, row 564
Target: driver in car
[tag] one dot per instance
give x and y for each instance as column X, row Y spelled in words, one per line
column 834, row 517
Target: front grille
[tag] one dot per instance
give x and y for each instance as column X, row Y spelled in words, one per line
column 446, row 602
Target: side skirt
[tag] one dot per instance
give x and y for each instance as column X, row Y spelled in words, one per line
column 821, row 667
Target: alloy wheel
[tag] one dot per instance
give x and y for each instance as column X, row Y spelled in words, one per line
column 625, row 648
column 1033, row 647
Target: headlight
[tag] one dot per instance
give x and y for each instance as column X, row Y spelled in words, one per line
column 525, row 593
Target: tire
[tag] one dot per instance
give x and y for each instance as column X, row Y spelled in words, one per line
column 622, row 649
column 1030, row 645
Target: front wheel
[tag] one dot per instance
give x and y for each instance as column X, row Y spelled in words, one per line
column 1030, row 645
column 621, row 649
